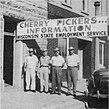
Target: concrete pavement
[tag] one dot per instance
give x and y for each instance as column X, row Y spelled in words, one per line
column 16, row 98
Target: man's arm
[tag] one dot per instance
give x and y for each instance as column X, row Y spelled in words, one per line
column 24, row 68
column 51, row 61
column 63, row 62
column 78, row 65
column 66, row 61
column 78, row 61
column 25, row 64
column 37, row 64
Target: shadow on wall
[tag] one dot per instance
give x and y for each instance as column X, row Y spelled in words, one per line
column 23, row 78
column 33, row 44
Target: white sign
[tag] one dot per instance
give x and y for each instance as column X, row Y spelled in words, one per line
column 62, row 28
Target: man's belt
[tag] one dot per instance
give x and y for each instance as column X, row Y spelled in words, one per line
column 57, row 66
column 72, row 66
column 43, row 66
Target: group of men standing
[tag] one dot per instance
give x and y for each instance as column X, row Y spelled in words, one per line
column 46, row 65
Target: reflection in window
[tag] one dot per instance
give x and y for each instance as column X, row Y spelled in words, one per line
column 62, row 44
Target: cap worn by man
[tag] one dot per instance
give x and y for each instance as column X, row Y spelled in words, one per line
column 44, row 50
column 31, row 50
column 71, row 48
column 56, row 49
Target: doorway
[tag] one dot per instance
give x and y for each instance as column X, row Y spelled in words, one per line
column 8, row 60
column 84, row 52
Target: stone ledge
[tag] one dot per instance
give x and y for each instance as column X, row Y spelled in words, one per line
column 22, row 11
column 20, row 14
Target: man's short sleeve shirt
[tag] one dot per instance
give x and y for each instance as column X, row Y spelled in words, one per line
column 31, row 61
column 57, row 60
column 45, row 60
column 72, row 60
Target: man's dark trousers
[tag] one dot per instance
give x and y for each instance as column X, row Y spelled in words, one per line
column 72, row 76
column 56, row 75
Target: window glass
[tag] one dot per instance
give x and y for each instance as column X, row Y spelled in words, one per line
column 101, row 53
column 62, row 44
column 85, row 5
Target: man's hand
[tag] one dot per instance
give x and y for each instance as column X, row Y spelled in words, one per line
column 22, row 76
column 78, row 66
column 48, row 70
column 38, row 74
column 25, row 66
column 63, row 65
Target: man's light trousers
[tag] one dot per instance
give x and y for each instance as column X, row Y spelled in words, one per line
column 44, row 76
column 30, row 79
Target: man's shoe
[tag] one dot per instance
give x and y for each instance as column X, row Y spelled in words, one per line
column 27, row 90
column 53, row 92
column 41, row 91
column 33, row 91
column 59, row 93
column 46, row 92
column 74, row 94
column 68, row 94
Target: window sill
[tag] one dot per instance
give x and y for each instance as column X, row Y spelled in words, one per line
column 67, row 5
column 84, row 12
column 101, row 66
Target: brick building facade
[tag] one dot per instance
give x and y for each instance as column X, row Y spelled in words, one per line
column 13, row 52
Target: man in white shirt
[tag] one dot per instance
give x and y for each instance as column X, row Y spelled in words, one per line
column 72, row 62
column 31, row 65
column 44, row 71
column 57, row 63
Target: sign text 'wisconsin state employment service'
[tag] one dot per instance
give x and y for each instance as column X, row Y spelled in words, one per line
column 62, row 28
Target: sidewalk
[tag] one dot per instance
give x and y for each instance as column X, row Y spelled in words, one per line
column 16, row 98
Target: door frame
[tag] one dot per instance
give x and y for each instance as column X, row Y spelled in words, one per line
column 80, row 71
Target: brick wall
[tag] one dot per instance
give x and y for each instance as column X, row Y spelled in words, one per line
column 74, row 42
column 52, row 44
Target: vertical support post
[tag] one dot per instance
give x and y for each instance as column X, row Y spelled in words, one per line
column 96, row 53
column 85, row 5
column 67, row 46
column 96, row 4
column 1, row 49
column 18, row 62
